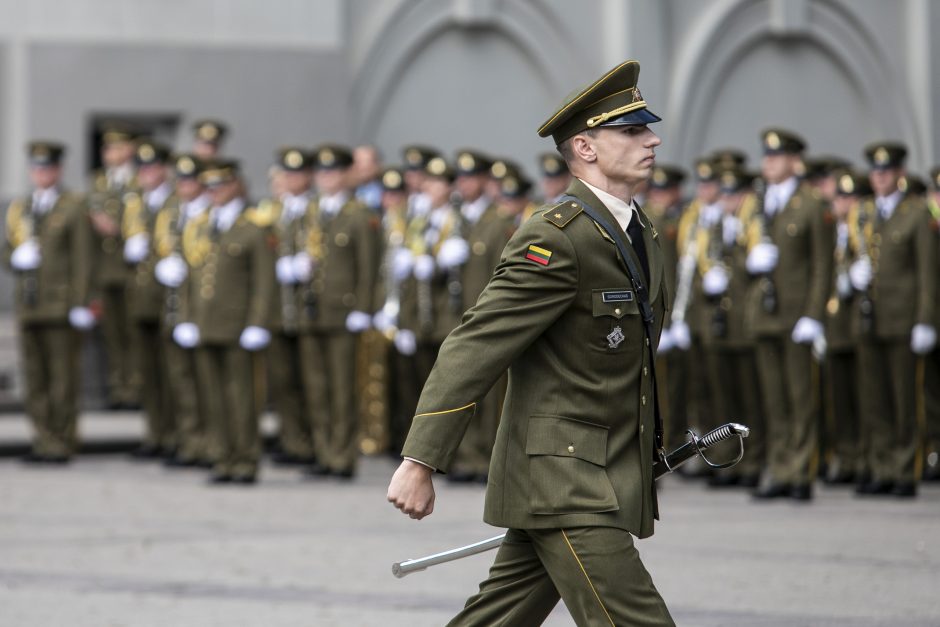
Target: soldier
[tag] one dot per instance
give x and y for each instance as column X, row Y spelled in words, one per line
column 821, row 174
column 336, row 271
column 897, row 273
column 208, row 136
column 48, row 247
column 229, row 314
column 106, row 209
column 365, row 173
column 932, row 375
column 846, row 461
column 287, row 215
column 572, row 479
column 514, row 189
column 188, row 407
column 416, row 159
column 790, row 259
column 555, row 176
column 145, row 294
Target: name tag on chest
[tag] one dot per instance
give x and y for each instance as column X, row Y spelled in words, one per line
column 618, row 296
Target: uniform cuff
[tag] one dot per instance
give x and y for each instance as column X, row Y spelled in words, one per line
column 418, row 461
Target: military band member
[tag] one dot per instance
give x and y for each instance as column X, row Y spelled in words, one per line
column 230, row 309
column 48, row 248
column 897, row 271
column 365, row 173
column 338, row 280
column 189, row 407
column 571, row 473
column 208, row 136
column 415, row 158
column 146, row 295
column 111, row 273
column 932, row 375
column 790, row 259
column 555, row 176
column 514, row 190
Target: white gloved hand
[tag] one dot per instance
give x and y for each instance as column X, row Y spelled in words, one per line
column 666, row 343
column 843, row 285
column 385, row 319
column 284, row 269
column 923, row 339
column 424, row 267
column 806, row 330
column 405, row 342
column 186, row 334
column 715, row 281
column 136, row 248
column 402, row 262
column 171, row 271
column 762, row 258
column 26, row 256
column 358, row 321
column 254, row 338
column 81, row 318
column 454, row 251
column 303, row 267
column 860, row 273
column 681, row 335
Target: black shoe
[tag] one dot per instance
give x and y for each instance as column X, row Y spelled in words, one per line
column 58, row 459
column 481, row 478
column 179, row 462
column 288, row 459
column 841, row 477
column 220, row 478
column 147, row 451
column 748, row 481
column 872, row 488
column 772, row 491
column 932, row 473
column 346, row 474
column 905, row 489
column 245, row 479
column 722, row 481
column 316, row 470
column 801, row 492
column 34, row 458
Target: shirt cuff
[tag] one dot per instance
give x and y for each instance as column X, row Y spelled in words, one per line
column 418, row 461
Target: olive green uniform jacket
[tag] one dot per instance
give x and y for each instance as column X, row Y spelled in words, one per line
column 576, row 437
column 146, row 296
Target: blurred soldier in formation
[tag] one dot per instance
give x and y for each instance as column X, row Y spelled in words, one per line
column 514, row 190
column 287, row 214
column 932, row 453
column 365, row 174
column 896, row 273
column 790, row 259
column 146, row 296
column 555, row 176
column 48, row 248
column 208, row 136
column 111, row 274
column 337, row 272
column 186, row 404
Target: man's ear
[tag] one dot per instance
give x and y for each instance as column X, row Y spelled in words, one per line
column 582, row 147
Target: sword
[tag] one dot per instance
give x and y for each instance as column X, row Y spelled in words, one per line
column 666, row 464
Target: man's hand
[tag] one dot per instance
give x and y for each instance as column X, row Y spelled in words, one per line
column 411, row 489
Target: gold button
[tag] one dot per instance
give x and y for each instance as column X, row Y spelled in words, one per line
column 571, row 448
column 207, row 292
column 617, row 311
column 643, row 399
column 479, row 248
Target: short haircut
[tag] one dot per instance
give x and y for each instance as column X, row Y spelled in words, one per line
column 564, row 148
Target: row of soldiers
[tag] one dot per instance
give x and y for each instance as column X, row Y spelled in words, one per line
column 805, row 305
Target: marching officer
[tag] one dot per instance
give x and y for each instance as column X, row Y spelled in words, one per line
column 146, row 295
column 897, row 273
column 208, row 136
column 790, row 261
column 336, row 271
column 48, row 247
column 112, row 275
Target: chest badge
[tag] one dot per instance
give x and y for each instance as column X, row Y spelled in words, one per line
column 615, row 337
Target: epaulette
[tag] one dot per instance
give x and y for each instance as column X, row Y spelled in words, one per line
column 260, row 216
column 562, row 213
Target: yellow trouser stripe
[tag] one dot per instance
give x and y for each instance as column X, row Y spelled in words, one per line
column 586, row 576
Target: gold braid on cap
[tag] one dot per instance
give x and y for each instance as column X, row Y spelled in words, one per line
column 636, row 103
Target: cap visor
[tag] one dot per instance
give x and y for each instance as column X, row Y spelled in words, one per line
column 634, row 118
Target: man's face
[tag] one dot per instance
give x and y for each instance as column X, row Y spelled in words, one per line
column 115, row 154
column 394, row 199
column 224, row 193
column 365, row 165
column 625, row 153
column 841, row 205
column 470, row 186
column 884, row 182
column 297, row 183
column 151, row 176
column 437, row 191
column 414, row 180
column 731, row 202
column 554, row 186
column 330, row 181
column 205, row 150
column 44, row 176
column 778, row 167
column 664, row 198
column 707, row 192
column 188, row 188
column 827, row 187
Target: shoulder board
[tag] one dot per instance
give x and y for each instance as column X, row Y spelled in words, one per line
column 562, row 213
column 258, row 217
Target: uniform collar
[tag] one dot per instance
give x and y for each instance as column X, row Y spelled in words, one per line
column 45, row 199
column 620, row 209
column 473, row 210
column 887, row 204
column 224, row 217
column 155, row 198
column 332, row 204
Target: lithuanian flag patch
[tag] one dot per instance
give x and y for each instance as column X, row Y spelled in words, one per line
column 539, row 255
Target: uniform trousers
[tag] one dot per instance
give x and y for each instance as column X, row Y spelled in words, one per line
column 189, row 417
column 597, row 571
column 123, row 374
column 50, row 354
column 736, row 397
column 154, row 392
column 932, row 401
column 848, row 448
column 287, row 393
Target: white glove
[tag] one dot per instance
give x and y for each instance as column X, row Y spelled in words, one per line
column 666, row 343
column 186, row 334
column 424, row 267
column 81, row 318
column 680, row 335
column 402, row 262
column 762, row 258
column 923, row 339
column 405, row 342
column 26, row 256
column 284, row 269
column 806, row 330
column 171, row 271
column 254, row 338
column 715, row 281
column 860, row 273
column 382, row 321
column 454, row 251
column 136, row 248
column 303, row 267
column 358, row 321
column 843, row 285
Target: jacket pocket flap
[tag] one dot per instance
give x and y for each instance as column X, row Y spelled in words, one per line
column 564, row 437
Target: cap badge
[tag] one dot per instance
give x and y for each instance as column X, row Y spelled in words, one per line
column 437, row 166
column 208, row 132
column 659, row 176
column 185, row 165
column 327, row 158
column 466, row 161
column 146, row 152
column 772, row 140
column 413, row 156
column 293, row 159
column 498, row 169
column 391, row 179
column 704, row 171
column 510, row 185
column 637, row 96
column 881, row 156
column 846, row 184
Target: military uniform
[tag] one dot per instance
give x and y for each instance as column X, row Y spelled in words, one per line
column 571, row 474
column 48, row 247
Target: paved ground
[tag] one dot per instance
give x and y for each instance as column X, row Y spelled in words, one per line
column 109, row 542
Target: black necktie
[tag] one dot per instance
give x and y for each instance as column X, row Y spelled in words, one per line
column 635, row 231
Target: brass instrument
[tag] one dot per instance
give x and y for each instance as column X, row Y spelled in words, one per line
column 686, row 275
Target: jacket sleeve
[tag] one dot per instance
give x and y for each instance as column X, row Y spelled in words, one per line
column 925, row 241
column 80, row 254
column 367, row 263
column 262, row 279
column 821, row 234
column 522, row 299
